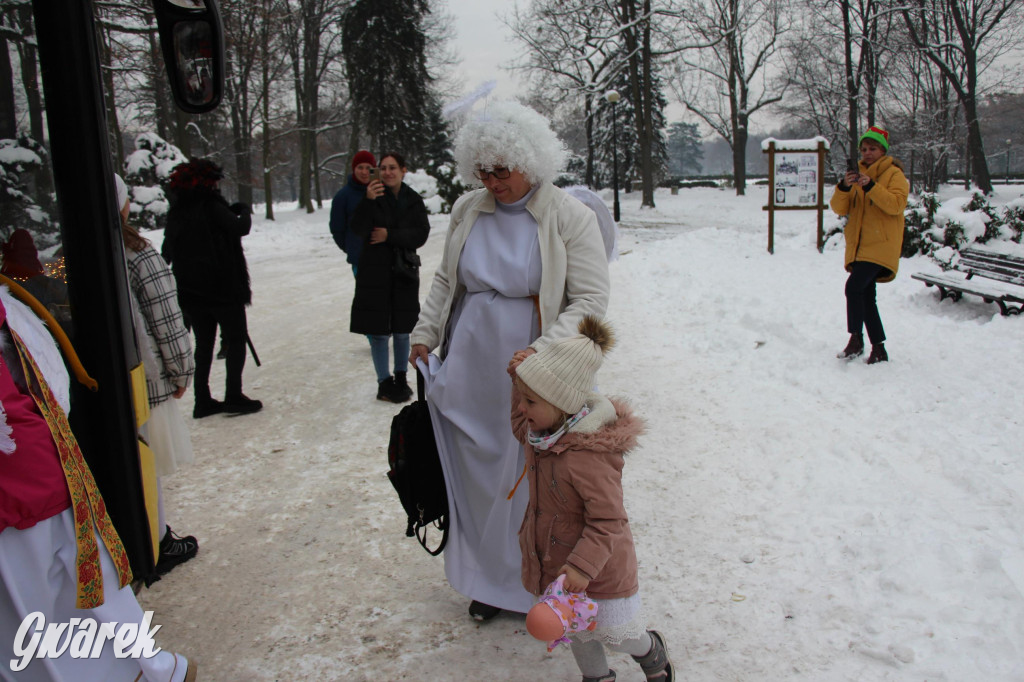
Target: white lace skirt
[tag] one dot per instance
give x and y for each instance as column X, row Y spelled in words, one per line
column 168, row 436
column 618, row 620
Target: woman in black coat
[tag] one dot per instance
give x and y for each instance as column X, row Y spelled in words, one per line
column 203, row 244
column 392, row 221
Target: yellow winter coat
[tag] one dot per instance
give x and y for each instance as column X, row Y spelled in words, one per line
column 874, row 228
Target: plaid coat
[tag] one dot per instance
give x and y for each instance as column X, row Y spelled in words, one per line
column 167, row 353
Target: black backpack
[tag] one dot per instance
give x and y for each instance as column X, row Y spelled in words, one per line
column 414, row 469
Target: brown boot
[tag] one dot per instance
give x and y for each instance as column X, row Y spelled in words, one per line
column 878, row 354
column 854, row 348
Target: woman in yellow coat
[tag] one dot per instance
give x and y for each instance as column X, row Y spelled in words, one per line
column 873, row 198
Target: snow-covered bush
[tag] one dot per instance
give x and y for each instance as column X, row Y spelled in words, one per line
column 145, row 172
column 426, row 186
column 21, row 161
column 449, row 186
column 940, row 230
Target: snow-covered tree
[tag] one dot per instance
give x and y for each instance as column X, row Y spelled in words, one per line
column 146, row 171
column 20, row 160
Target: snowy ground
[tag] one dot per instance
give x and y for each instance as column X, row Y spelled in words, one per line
column 797, row 517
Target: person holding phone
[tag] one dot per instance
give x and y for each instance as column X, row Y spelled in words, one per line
column 391, row 221
column 344, row 205
column 872, row 195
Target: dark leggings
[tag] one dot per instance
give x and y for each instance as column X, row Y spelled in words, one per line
column 231, row 319
column 861, row 309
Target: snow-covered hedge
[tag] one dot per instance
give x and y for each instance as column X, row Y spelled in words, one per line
column 933, row 226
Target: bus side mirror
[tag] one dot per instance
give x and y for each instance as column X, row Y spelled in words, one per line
column 192, row 39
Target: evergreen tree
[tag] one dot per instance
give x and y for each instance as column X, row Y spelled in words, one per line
column 627, row 143
column 685, row 152
column 384, row 46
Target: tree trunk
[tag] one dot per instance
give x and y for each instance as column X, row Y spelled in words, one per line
column 107, row 74
column 853, row 115
column 8, row 120
column 315, row 162
column 739, row 154
column 160, row 111
column 976, row 147
column 647, row 114
column 588, row 127
column 30, row 75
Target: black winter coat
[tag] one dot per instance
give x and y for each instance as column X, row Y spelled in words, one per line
column 203, row 244
column 383, row 303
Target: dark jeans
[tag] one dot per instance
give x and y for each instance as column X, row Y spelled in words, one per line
column 861, row 310
column 233, row 330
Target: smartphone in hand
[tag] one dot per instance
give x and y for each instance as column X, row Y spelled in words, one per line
column 374, row 174
column 851, row 166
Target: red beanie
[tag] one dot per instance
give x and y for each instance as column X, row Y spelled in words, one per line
column 363, row 156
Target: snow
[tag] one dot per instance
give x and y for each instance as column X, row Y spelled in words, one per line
column 796, row 517
column 810, row 144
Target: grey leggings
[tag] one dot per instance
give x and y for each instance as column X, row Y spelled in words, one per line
column 590, row 654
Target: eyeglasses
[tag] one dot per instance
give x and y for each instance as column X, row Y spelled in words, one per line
column 497, row 172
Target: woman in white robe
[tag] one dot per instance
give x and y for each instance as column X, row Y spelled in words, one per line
column 523, row 262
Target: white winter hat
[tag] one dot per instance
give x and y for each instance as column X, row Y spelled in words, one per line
column 122, row 192
column 562, row 373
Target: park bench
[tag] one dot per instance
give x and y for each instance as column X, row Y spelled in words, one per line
column 1002, row 280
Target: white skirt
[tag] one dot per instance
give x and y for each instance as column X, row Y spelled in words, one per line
column 38, row 574
column 618, row 620
column 168, row 436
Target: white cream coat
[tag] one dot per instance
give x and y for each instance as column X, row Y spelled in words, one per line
column 574, row 268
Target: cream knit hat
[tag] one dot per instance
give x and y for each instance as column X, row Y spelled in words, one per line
column 563, row 372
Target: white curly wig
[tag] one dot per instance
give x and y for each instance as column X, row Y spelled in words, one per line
column 511, row 135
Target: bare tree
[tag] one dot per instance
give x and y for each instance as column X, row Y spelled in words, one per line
column 963, row 38
column 727, row 83
column 572, row 51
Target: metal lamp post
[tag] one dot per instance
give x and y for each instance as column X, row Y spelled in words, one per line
column 613, row 98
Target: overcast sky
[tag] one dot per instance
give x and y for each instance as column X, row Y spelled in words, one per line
column 482, row 42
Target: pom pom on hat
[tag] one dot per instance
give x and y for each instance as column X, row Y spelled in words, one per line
column 562, row 373
column 363, row 156
column 878, row 135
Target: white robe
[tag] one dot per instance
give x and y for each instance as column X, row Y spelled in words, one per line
column 470, row 400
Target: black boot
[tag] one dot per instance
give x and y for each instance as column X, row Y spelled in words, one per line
column 655, row 663
column 241, row 404
column 854, row 348
column 402, row 386
column 387, row 391
column 204, row 407
column 878, row 354
column 481, row 611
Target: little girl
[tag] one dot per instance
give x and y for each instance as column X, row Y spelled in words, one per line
column 575, row 441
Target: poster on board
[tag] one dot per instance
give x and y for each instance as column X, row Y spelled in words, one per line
column 796, row 178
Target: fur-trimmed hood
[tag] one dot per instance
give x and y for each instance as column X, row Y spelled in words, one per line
column 611, row 426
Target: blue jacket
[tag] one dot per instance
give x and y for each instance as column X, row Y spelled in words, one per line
column 342, row 208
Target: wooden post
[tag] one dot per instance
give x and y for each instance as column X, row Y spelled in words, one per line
column 821, row 196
